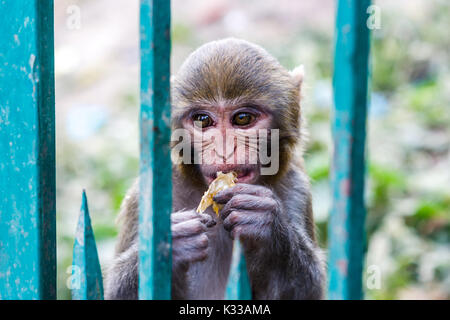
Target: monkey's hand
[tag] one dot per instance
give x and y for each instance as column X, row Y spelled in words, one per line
column 189, row 238
column 249, row 212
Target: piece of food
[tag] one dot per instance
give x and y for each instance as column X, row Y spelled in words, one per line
column 222, row 182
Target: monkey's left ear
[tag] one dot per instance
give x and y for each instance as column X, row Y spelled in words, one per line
column 297, row 75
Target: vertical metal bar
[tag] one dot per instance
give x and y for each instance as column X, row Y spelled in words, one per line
column 27, row 151
column 238, row 287
column 346, row 224
column 87, row 281
column 155, row 202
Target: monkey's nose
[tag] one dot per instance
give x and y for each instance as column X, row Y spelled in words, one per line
column 225, row 155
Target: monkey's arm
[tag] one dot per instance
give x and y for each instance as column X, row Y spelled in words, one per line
column 282, row 259
column 290, row 267
column 121, row 281
column 189, row 244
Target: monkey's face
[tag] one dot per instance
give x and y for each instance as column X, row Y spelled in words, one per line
column 228, row 138
column 241, row 108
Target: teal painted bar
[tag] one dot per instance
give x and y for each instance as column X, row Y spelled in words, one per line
column 155, row 202
column 238, row 286
column 87, row 281
column 27, row 151
column 346, row 225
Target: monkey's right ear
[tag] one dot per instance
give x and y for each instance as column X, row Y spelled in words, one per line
column 297, row 75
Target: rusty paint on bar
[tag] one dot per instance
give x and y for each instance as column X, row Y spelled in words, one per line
column 238, row 287
column 346, row 225
column 155, row 202
column 27, row 151
column 86, row 280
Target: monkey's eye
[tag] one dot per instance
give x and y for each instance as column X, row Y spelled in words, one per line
column 243, row 118
column 202, row 120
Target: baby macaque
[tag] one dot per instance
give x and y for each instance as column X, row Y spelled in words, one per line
column 240, row 112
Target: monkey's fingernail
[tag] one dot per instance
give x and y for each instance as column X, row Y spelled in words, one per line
column 223, row 197
column 211, row 223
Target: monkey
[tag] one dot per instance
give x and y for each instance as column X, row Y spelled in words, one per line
column 232, row 87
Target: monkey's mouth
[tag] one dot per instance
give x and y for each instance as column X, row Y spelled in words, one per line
column 244, row 174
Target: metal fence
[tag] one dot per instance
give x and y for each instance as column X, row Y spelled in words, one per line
column 27, row 154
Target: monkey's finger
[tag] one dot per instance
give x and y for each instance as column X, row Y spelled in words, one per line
column 252, row 231
column 185, row 259
column 181, row 216
column 190, row 249
column 188, row 228
column 207, row 220
column 193, row 243
column 258, row 219
column 198, row 256
column 248, row 202
column 222, row 197
column 242, row 188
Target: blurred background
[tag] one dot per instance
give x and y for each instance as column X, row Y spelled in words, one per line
column 408, row 151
